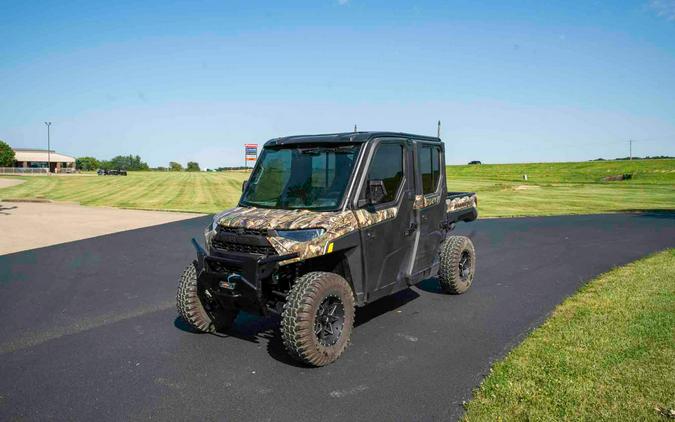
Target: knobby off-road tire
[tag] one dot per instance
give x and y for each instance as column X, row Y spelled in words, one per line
column 197, row 312
column 457, row 264
column 319, row 304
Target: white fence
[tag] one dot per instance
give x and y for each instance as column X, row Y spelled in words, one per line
column 28, row 171
column 22, row 170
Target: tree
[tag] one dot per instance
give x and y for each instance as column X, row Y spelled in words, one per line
column 6, row 155
column 125, row 162
column 87, row 163
column 193, row 166
column 174, row 166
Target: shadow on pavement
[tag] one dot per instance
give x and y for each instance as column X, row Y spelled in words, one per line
column 254, row 329
column 4, row 209
column 654, row 213
column 430, row 285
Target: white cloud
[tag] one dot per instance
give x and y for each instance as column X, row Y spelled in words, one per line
column 664, row 8
column 342, row 2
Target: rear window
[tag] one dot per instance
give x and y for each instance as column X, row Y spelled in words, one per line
column 430, row 167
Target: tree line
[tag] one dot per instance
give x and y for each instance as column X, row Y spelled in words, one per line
column 120, row 162
column 129, row 163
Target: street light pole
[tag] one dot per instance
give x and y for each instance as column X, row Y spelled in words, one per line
column 49, row 156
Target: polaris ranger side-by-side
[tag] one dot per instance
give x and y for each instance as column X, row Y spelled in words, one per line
column 326, row 223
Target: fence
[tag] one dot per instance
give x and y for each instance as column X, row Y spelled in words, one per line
column 22, row 170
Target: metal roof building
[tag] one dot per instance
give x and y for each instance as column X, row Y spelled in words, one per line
column 38, row 158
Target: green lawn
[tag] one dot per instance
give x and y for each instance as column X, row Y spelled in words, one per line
column 567, row 188
column 184, row 191
column 606, row 353
column 552, row 188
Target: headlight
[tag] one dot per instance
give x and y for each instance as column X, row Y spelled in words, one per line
column 300, row 235
column 210, row 231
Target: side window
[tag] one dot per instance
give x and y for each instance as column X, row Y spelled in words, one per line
column 436, row 166
column 387, row 166
column 430, row 167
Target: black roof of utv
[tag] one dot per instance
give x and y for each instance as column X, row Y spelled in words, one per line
column 347, row 137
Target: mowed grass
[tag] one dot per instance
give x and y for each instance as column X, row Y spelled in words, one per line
column 551, row 188
column 176, row 191
column 567, row 188
column 606, row 353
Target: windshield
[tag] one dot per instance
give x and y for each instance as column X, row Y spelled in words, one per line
column 307, row 177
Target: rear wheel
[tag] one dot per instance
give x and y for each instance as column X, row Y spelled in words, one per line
column 198, row 308
column 457, row 264
column 318, row 318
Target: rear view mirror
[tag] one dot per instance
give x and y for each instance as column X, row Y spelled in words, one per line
column 243, row 185
column 376, row 191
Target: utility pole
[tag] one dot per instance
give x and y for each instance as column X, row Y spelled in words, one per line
column 49, row 156
column 630, row 148
column 438, row 130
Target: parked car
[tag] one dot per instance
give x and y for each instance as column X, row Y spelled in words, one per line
column 474, row 162
column 326, row 223
column 119, row 172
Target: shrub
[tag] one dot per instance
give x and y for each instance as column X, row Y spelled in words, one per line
column 6, row 155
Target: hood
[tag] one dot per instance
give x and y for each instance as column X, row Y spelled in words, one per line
column 335, row 223
column 264, row 218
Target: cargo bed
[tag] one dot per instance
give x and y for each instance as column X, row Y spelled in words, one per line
column 461, row 206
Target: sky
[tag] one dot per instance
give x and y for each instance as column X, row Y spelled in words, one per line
column 524, row 81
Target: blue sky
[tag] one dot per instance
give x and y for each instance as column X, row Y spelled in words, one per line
column 511, row 81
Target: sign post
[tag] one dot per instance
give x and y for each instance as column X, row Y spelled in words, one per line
column 250, row 153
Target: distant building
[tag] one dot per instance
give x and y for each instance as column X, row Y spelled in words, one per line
column 38, row 158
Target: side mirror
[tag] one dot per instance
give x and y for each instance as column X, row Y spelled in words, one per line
column 243, row 185
column 376, row 191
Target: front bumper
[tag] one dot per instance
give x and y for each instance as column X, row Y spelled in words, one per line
column 236, row 279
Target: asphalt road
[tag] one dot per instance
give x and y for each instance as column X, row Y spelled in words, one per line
column 89, row 329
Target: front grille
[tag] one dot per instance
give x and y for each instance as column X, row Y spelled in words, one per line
column 243, row 240
column 242, row 247
column 243, row 231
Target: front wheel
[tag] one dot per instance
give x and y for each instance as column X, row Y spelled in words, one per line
column 318, row 318
column 201, row 311
column 457, row 264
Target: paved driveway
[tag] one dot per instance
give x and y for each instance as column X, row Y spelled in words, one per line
column 89, row 329
column 29, row 225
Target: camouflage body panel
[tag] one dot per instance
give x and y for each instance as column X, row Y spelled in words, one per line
column 367, row 218
column 265, row 218
column 335, row 223
column 455, row 204
column 422, row 201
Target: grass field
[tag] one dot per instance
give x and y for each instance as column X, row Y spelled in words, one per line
column 606, row 353
column 551, row 188
column 184, row 191
column 567, row 188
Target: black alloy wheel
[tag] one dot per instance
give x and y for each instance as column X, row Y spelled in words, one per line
column 465, row 265
column 329, row 321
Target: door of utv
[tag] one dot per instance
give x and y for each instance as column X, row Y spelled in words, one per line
column 429, row 206
column 387, row 226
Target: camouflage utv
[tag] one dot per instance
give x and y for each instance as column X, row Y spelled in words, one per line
column 326, row 223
